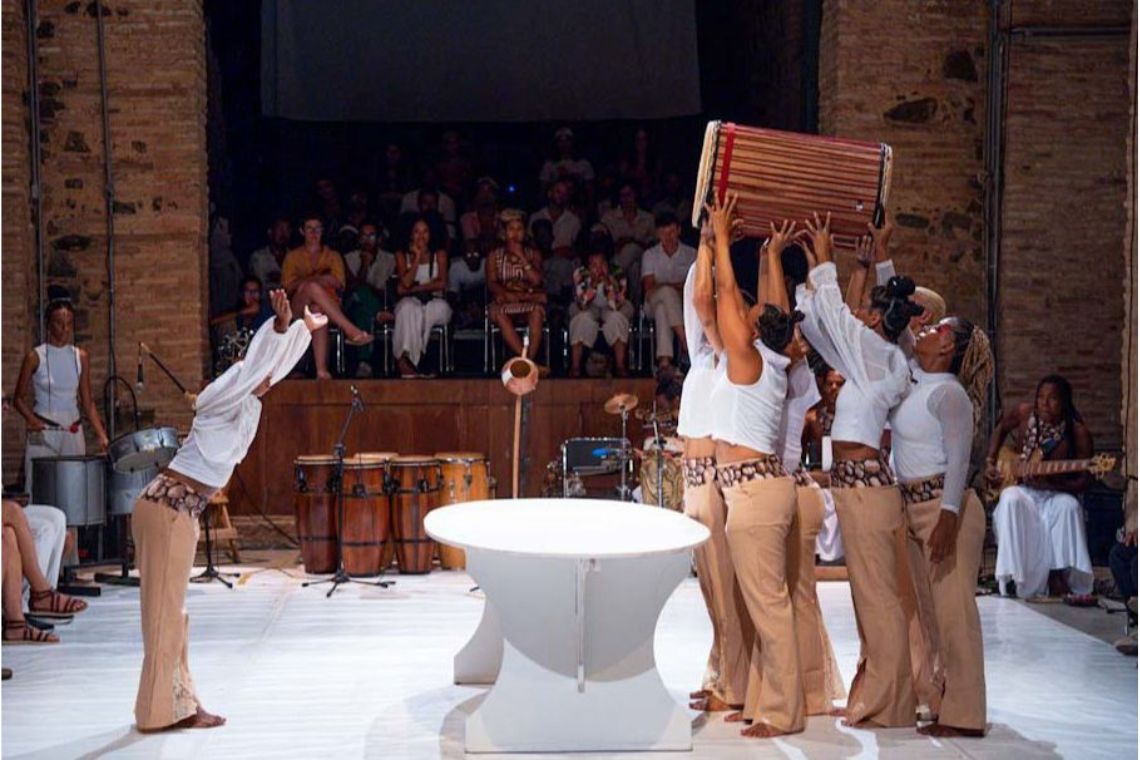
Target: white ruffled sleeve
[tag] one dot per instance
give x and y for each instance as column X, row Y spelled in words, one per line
column 951, row 406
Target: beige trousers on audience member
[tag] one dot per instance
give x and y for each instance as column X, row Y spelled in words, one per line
column 165, row 543
column 882, row 691
column 761, row 514
column 821, row 678
column 727, row 673
column 664, row 306
column 951, row 585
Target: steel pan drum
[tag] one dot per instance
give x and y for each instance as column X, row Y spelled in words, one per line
column 142, row 449
column 75, row 484
column 123, row 488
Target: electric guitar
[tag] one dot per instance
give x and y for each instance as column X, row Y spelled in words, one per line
column 1013, row 469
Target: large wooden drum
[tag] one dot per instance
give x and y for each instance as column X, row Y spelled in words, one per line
column 786, row 175
column 314, row 507
column 466, row 477
column 416, row 484
column 367, row 513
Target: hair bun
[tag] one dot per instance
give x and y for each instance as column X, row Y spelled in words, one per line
column 900, row 287
column 797, row 316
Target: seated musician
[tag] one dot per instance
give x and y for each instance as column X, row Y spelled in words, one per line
column 1039, row 524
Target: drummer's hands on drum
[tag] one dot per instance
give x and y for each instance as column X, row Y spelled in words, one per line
column 864, row 255
column 315, row 321
column 720, row 216
column 280, row 302
column 819, row 237
column 882, row 237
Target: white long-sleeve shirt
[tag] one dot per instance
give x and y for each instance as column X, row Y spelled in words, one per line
column 803, row 394
column 932, row 431
column 227, row 412
column 876, row 369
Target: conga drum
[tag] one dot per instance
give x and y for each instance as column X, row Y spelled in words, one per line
column 314, row 507
column 366, row 513
column 786, row 175
column 466, row 477
column 416, row 484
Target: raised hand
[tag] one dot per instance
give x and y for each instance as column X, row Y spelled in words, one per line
column 778, row 239
column 882, row 237
column 720, row 216
column 313, row 321
column 819, row 237
column 280, row 302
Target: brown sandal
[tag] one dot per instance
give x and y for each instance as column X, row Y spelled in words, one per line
column 28, row 635
column 60, row 606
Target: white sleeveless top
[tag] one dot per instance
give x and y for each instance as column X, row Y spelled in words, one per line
column 695, row 420
column 749, row 415
column 56, row 383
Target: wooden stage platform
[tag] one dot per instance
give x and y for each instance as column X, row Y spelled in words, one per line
column 423, row 416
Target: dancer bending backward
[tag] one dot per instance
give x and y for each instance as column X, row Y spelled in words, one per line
column 748, row 402
column 726, row 676
column 822, row 681
column 864, row 348
column 931, row 432
column 165, row 522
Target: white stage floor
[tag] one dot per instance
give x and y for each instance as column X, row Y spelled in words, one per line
column 368, row 674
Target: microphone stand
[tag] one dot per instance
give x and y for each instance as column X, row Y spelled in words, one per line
column 659, row 444
column 211, row 572
column 624, row 491
column 341, row 576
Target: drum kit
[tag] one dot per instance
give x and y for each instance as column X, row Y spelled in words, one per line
column 91, row 487
column 385, row 500
column 660, row 469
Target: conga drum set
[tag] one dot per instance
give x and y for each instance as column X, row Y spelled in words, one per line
column 385, row 499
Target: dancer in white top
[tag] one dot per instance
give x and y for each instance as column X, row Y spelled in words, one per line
column 165, row 519
column 932, row 433
column 726, row 676
column 863, row 347
column 748, row 402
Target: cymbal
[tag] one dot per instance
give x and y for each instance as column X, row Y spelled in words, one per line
column 621, row 402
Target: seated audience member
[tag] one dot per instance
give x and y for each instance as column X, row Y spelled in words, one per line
column 467, row 286
column 633, row 230
column 482, row 221
column 514, row 286
column 395, row 179
column 428, row 198
column 265, row 263
column 566, row 164
column 50, row 537
column 674, row 200
column 817, row 428
column 232, row 331
column 664, row 268
column 421, row 284
column 565, row 223
column 313, row 276
column 601, row 301
column 557, row 265
column 640, row 166
column 454, row 169
column 1039, row 523
column 369, row 270
column 327, row 199
column 21, row 563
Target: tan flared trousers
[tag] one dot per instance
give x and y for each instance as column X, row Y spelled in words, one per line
column 761, row 517
column 165, row 543
column 727, row 673
column 882, row 691
column 950, row 587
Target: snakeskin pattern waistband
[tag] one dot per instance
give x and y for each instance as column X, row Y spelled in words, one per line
column 866, row 473
column 176, row 495
column 918, row 491
column 699, row 471
column 736, row 473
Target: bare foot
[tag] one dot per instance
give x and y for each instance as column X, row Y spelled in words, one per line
column 699, row 694
column 712, row 703
column 734, row 717
column 200, row 719
column 938, row 729
column 837, row 712
column 762, row 731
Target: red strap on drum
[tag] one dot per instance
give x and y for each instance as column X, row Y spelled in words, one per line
column 729, row 139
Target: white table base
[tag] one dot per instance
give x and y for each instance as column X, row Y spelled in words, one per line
column 575, row 666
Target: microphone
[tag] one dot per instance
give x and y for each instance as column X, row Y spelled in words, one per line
column 139, row 370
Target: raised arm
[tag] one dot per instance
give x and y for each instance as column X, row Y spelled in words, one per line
column 857, row 285
column 744, row 364
column 778, row 240
column 704, row 293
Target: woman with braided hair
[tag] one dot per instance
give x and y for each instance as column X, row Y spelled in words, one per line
column 932, row 432
column 863, row 346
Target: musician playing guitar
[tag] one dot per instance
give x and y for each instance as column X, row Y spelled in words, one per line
column 1039, row 523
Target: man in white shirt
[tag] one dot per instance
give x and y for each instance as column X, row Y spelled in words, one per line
column 265, row 263
column 565, row 222
column 663, row 271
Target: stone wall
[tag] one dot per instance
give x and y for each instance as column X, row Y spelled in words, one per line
column 156, row 74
